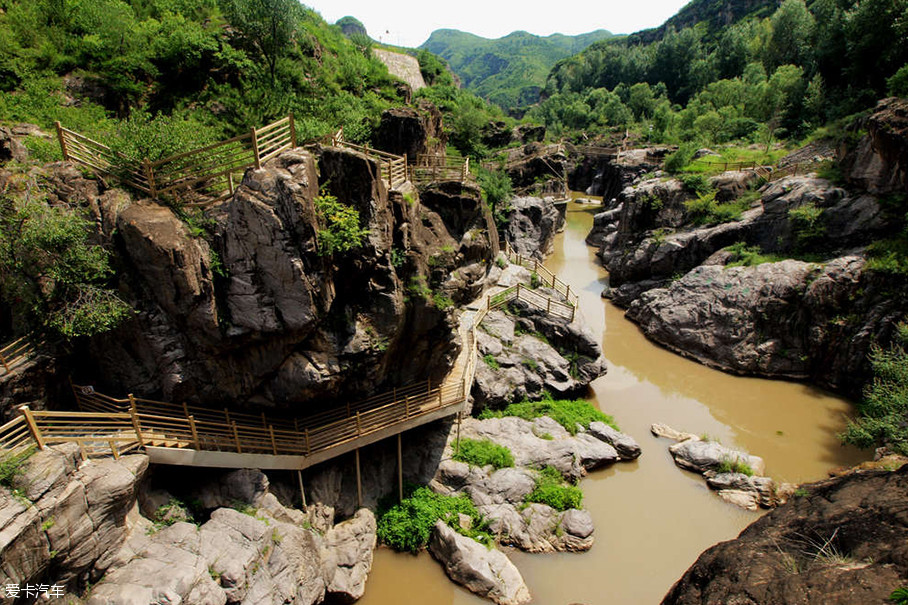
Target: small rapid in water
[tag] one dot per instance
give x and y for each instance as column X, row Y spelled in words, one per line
column 652, row 519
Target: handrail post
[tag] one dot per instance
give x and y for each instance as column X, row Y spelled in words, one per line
column 33, row 426
column 548, row 307
column 406, row 406
column 359, row 425
column 264, row 422
column 149, row 174
column 195, row 433
column 3, row 361
column 62, row 140
column 185, row 409
column 292, row 130
column 308, row 448
column 135, row 420
column 113, row 449
column 273, row 442
column 255, row 149
column 236, row 438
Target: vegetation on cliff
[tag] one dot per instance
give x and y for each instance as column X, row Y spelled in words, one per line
column 884, row 410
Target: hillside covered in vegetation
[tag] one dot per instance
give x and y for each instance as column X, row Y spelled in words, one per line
column 509, row 71
column 763, row 76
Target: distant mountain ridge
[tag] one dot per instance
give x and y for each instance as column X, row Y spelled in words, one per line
column 511, row 70
column 716, row 14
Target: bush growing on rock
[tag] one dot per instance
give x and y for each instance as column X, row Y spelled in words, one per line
column 567, row 412
column 339, row 230
column 407, row 526
column 482, row 452
column 884, row 409
column 552, row 490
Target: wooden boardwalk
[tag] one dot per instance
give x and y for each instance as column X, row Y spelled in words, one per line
column 180, row 434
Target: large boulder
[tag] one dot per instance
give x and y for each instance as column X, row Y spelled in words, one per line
column 484, row 571
column 700, row 456
column 351, row 543
column 879, row 162
column 532, row 225
column 412, row 132
column 844, row 542
column 72, row 516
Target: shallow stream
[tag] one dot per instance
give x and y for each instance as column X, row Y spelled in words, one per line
column 652, row 519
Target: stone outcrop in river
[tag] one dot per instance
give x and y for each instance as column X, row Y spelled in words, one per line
column 843, row 541
column 791, row 319
column 532, row 225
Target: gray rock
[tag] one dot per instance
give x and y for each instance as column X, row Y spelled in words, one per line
column 500, row 326
column 352, row 543
column 744, row 499
column 577, row 523
column 626, row 446
column 532, row 225
column 486, row 572
column 504, row 485
column 701, row 456
column 663, row 430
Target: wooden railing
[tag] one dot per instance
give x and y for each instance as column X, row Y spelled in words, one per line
column 433, row 168
column 110, row 426
column 546, row 277
column 591, row 151
column 393, row 167
column 199, row 177
column 13, row 353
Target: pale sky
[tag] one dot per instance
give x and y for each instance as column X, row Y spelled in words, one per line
column 409, row 23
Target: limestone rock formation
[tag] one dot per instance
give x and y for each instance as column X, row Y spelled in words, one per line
column 412, row 132
column 879, row 163
column 845, row 542
column 510, row 367
column 68, row 518
column 486, row 572
column 261, row 316
column 532, row 225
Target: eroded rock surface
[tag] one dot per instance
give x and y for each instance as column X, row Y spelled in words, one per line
column 843, row 543
column 532, row 225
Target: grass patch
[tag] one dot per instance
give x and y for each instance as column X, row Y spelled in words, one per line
column 899, row 596
column 491, row 362
column 552, row 490
column 566, row 412
column 705, row 210
column 749, row 256
column 709, row 165
column 735, row 466
column 482, row 452
column 11, row 466
column 407, row 526
column 889, row 256
column 530, row 364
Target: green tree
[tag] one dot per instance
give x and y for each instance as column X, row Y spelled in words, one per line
column 792, row 35
column 51, row 274
column 266, row 26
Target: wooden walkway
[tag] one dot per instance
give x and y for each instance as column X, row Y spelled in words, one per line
column 180, row 434
column 15, row 353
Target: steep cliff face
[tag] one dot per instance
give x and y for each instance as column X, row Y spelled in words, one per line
column 879, row 162
column 261, row 316
column 844, row 542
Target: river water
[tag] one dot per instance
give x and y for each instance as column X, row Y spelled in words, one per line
column 652, row 519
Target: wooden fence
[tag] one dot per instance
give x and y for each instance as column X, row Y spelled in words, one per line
column 110, row 426
column 15, row 352
column 393, row 168
column 590, row 151
column 433, row 168
column 546, row 277
column 199, row 177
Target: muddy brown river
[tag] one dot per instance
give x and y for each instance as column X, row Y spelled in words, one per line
column 652, row 519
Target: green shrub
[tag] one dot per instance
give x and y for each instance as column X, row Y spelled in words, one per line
column 884, row 407
column 339, row 229
column 696, row 183
column 491, row 361
column 704, row 210
column 407, row 526
column 535, row 281
column 146, row 137
column 418, row 288
column 43, row 150
column 52, row 274
column 552, row 490
column 728, row 465
column 677, row 161
column 497, row 191
column 529, row 363
column 441, row 301
column 748, row 256
column 897, row 85
column 806, row 224
column 398, row 257
column 889, row 256
column 482, row 452
column 11, row 466
column 566, row 412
